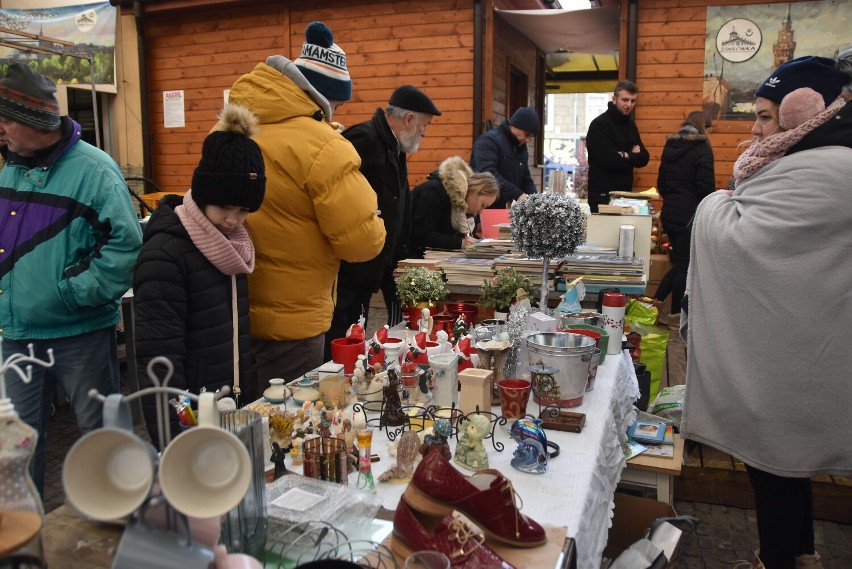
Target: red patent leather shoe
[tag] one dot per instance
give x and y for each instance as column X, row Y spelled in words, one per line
column 486, row 497
column 465, row 547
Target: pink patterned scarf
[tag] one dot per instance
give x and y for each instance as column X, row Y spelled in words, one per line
column 232, row 254
column 773, row 147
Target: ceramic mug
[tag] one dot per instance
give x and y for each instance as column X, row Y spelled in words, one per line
column 346, row 351
column 108, row 473
column 205, row 471
column 514, row 396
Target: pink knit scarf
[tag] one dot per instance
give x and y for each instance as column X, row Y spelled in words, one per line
column 773, row 147
column 232, row 254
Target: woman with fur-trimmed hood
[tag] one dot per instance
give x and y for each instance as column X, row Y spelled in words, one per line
column 444, row 206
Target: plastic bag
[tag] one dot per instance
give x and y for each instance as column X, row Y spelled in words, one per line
column 669, row 404
column 651, row 351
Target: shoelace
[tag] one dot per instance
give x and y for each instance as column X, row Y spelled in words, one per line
column 463, row 534
column 513, row 501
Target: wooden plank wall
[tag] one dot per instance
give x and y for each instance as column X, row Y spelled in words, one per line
column 388, row 43
column 669, row 72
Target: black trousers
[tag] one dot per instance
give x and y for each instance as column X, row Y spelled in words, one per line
column 674, row 281
column 785, row 517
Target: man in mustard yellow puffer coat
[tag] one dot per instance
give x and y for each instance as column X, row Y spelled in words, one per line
column 318, row 208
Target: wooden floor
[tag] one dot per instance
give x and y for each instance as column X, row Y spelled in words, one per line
column 715, row 477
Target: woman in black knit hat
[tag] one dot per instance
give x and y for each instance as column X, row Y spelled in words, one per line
column 190, row 286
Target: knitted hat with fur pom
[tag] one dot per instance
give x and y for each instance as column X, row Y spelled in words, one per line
column 231, row 170
column 323, row 63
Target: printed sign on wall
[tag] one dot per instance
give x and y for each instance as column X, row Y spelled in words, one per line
column 744, row 44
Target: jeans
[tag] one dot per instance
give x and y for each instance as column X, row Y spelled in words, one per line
column 81, row 363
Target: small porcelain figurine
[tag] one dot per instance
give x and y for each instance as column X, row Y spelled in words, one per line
column 406, row 455
column 436, row 441
column 426, row 322
column 392, row 413
column 531, row 454
column 470, row 452
column 277, row 458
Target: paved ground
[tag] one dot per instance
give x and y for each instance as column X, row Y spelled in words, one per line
column 724, row 535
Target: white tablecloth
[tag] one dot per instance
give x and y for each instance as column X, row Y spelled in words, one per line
column 578, row 487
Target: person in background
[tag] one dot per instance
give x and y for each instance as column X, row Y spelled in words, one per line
column 318, row 209
column 444, row 206
column 838, row 131
column 686, row 177
column 69, row 239
column 383, row 142
column 502, row 151
column 767, row 258
column 614, row 147
column 190, row 286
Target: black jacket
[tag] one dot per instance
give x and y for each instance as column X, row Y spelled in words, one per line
column 497, row 151
column 686, row 176
column 384, row 166
column 183, row 311
column 609, row 134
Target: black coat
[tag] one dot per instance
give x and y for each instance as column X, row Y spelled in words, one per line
column 183, row 312
column 497, row 151
column 611, row 133
column 384, row 166
column 686, row 176
column 431, row 218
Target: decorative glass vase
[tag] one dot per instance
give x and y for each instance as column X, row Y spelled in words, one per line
column 364, row 440
column 20, row 503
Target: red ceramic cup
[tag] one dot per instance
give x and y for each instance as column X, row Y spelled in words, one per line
column 593, row 334
column 514, row 396
column 346, row 351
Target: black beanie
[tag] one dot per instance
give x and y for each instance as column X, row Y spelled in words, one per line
column 29, row 98
column 230, row 172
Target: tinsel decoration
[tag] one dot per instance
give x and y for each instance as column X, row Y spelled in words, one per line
column 515, row 327
column 547, row 226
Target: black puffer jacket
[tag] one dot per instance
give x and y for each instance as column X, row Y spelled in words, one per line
column 686, row 176
column 183, row 311
column 497, row 151
column 433, row 203
column 384, row 166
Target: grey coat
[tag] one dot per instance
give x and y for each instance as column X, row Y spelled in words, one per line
column 768, row 376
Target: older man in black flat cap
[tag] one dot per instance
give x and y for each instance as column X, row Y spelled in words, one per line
column 383, row 143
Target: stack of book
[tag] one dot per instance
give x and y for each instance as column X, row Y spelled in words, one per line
column 649, row 437
column 490, row 248
column 603, row 270
column 466, row 271
column 527, row 267
column 430, row 264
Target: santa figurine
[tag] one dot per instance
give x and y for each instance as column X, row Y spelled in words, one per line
column 375, row 353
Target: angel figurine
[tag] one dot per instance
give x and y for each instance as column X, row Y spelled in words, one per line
column 426, row 322
column 470, row 452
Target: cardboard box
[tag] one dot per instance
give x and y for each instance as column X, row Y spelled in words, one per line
column 660, row 265
column 631, row 519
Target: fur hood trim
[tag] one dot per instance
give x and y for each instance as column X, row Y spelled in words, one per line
column 454, row 173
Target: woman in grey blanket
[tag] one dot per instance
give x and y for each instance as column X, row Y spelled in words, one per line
column 769, row 308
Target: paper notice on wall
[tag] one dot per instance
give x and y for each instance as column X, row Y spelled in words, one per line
column 173, row 107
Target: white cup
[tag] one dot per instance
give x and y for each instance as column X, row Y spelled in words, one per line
column 108, row 473
column 206, row 471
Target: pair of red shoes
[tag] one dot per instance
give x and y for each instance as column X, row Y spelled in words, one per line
column 424, row 520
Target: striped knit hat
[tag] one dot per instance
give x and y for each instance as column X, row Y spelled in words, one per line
column 28, row 98
column 323, row 63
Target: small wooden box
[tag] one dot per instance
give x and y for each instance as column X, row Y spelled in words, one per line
column 563, row 421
